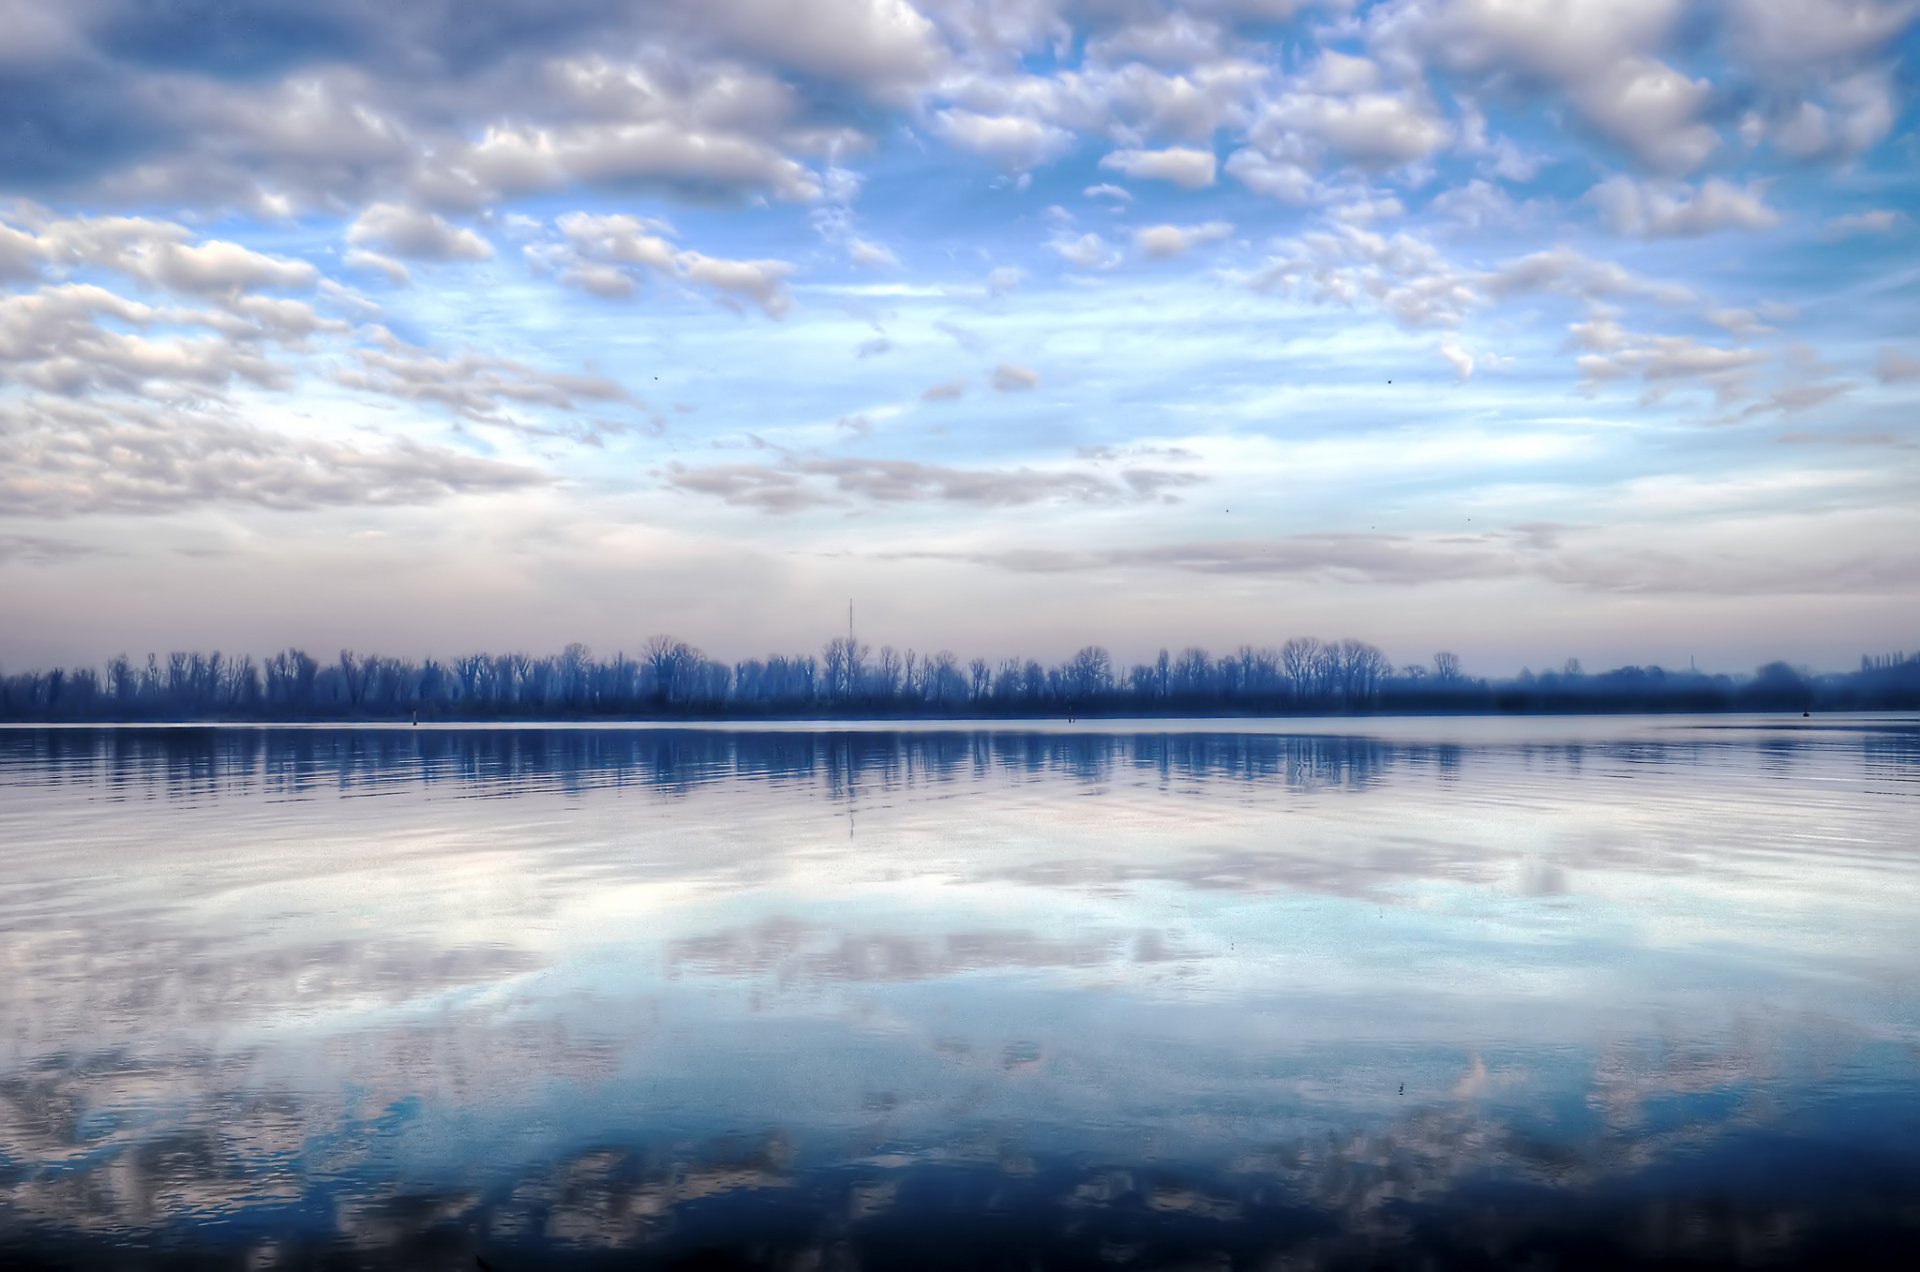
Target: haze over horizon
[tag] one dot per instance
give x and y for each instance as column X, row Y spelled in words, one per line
column 1526, row 330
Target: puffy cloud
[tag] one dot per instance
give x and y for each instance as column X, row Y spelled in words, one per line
column 1661, row 362
column 672, row 155
column 1008, row 378
column 1119, row 194
column 61, row 458
column 1012, row 141
column 1404, row 275
column 1162, row 241
column 1678, row 211
column 1856, row 112
column 1459, row 358
column 1184, row 166
column 1086, row 251
column 476, row 387
column 1569, row 273
column 871, row 255
column 1813, row 32
column 1276, row 178
column 393, row 271
column 601, row 254
column 1598, row 54
column 1651, row 109
column 763, row 283
column 72, row 339
column 415, row 234
column 158, row 253
column 1368, row 130
column 878, row 45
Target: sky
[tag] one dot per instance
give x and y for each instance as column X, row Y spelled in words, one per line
column 1529, row 329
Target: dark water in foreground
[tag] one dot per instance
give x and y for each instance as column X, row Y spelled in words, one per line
column 1434, row 993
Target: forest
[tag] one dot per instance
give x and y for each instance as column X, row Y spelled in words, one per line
column 671, row 679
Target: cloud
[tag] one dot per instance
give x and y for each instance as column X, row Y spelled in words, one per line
column 1345, row 265
column 1188, row 168
column 1087, row 251
column 1569, row 273
column 607, row 255
column 1368, row 130
column 414, row 234
column 1119, row 194
column 945, row 391
column 1003, row 279
column 870, row 255
column 1895, row 367
column 1458, row 358
column 158, row 253
column 1598, row 55
column 393, row 271
column 39, row 549
column 1877, row 221
column 1008, row 378
column 1160, row 242
column 1284, row 180
column 761, row 282
column 1014, row 142
column 876, row 45
column 62, row 458
column 1641, row 210
column 797, row 484
column 1661, row 362
column 875, row 347
column 480, row 388
column 1815, row 32
column 1333, row 557
column 1856, row 112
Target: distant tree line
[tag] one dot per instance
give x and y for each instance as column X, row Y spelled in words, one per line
column 670, row 679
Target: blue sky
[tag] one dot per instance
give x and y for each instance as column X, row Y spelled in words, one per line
column 1518, row 328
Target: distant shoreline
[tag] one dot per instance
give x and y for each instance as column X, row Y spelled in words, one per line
column 972, row 723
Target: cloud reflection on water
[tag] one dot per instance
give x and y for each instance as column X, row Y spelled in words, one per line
column 1135, row 997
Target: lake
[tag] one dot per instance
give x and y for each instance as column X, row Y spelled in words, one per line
column 1219, row 994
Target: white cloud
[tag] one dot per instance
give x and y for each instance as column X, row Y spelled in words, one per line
column 1780, row 34
column 1277, row 179
column 871, row 255
column 1004, row 279
column 1162, row 241
column 1088, row 251
column 1646, row 210
column 394, row 272
column 1877, row 221
column 1460, row 359
column 1015, row 142
column 1598, row 54
column 1184, row 166
column 1119, row 194
column 873, row 44
column 762, row 282
column 416, row 234
column 1856, row 113
column 599, row 254
column 1369, row 130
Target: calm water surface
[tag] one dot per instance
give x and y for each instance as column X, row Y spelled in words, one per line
column 1423, row 993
